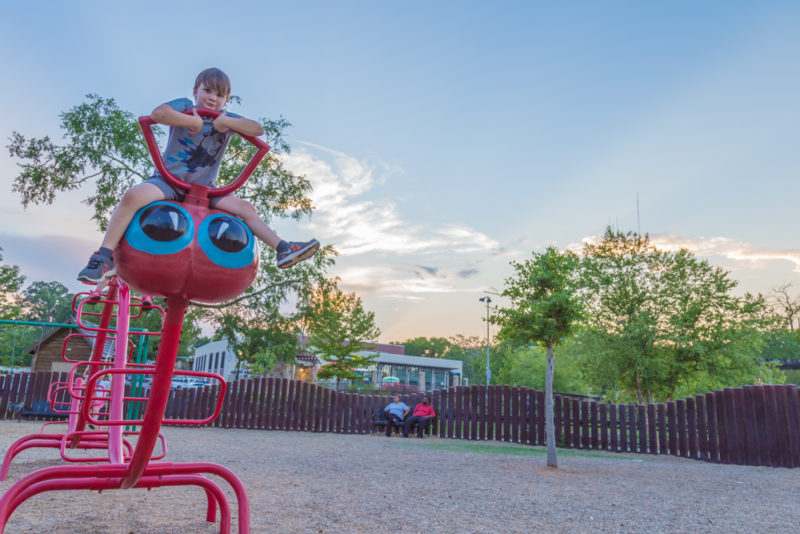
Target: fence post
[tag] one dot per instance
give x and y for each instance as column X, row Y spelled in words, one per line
column 652, row 435
column 683, row 442
column 612, row 426
column 603, row 409
column 702, row 427
column 793, row 396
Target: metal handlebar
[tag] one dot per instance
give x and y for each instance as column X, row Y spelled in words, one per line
column 146, row 122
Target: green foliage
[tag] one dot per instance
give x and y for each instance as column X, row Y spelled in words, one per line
column 263, row 346
column 13, row 342
column 101, row 141
column 472, row 356
column 47, row 302
column 792, row 376
column 544, row 304
column 11, row 281
column 781, row 344
column 434, row 347
column 499, row 352
column 527, row 367
column 339, row 328
column 662, row 324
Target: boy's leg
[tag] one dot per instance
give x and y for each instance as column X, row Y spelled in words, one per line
column 246, row 212
column 101, row 263
column 289, row 253
column 134, row 198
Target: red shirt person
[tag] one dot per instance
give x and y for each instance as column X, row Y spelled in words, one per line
column 423, row 412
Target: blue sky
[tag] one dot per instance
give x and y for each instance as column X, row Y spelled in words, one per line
column 446, row 139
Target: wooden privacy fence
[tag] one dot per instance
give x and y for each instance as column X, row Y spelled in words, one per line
column 753, row 425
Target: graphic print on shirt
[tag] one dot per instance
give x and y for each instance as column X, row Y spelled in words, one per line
column 196, row 157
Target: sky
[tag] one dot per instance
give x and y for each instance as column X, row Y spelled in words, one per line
column 446, row 139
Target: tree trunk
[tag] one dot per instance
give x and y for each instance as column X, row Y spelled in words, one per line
column 550, row 425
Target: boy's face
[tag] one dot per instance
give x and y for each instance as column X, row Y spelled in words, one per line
column 205, row 97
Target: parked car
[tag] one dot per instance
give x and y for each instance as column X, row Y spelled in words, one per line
column 187, row 384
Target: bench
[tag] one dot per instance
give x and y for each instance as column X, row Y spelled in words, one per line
column 41, row 409
column 379, row 423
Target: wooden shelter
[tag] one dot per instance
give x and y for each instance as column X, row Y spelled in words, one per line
column 47, row 350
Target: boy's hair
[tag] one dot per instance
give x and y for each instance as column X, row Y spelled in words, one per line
column 214, row 79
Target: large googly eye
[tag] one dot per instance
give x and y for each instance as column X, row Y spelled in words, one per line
column 228, row 234
column 227, row 241
column 160, row 228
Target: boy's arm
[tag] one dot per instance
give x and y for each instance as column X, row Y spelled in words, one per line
column 166, row 114
column 240, row 125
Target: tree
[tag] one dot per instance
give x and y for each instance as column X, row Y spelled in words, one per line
column 47, row 302
column 434, row 347
column 471, row 352
column 265, row 345
column 662, row 323
column 11, row 281
column 499, row 352
column 12, row 338
column 339, row 329
column 102, row 143
column 545, row 309
column 786, row 304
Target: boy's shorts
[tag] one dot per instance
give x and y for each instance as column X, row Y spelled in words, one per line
column 173, row 193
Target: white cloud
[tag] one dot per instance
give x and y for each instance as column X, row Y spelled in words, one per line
column 357, row 224
column 727, row 248
column 724, row 247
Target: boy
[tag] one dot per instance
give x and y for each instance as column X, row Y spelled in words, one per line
column 193, row 154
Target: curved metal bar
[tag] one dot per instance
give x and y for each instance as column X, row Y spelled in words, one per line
column 214, row 494
column 146, row 123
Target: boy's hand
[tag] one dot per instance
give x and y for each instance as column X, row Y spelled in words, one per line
column 220, row 123
column 196, row 123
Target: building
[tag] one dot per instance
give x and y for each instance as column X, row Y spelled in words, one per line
column 216, row 357
column 392, row 366
column 436, row 373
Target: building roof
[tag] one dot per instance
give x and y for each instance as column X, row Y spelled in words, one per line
column 418, row 361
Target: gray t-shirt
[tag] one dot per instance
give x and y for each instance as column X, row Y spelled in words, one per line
column 397, row 408
column 195, row 158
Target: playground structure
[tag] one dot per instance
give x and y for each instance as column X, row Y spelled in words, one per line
column 180, row 251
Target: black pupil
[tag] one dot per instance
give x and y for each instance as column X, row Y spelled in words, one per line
column 228, row 234
column 163, row 223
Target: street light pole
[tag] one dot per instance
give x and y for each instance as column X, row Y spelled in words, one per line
column 488, row 370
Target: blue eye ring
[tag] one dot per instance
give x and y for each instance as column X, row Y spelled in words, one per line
column 229, row 260
column 140, row 241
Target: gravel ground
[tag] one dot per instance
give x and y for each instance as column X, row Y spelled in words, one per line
column 328, row 483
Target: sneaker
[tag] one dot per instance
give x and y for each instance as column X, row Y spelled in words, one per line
column 295, row 252
column 98, row 268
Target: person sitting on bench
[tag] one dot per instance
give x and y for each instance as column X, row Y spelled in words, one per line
column 423, row 412
column 394, row 414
